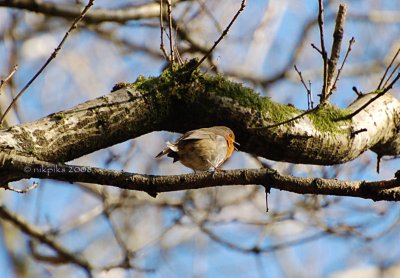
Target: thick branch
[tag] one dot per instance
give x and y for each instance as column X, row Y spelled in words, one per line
column 181, row 103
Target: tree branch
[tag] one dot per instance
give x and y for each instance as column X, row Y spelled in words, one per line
column 335, row 52
column 53, row 55
column 145, row 11
column 179, row 103
column 379, row 190
column 45, row 238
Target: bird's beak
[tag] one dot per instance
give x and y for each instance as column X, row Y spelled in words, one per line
column 237, row 144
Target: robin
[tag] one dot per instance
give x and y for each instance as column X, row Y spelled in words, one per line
column 203, row 148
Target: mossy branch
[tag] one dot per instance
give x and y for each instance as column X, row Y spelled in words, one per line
column 184, row 99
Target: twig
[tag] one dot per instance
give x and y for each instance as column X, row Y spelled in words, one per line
column 172, row 57
column 178, row 56
column 323, row 50
column 359, row 93
column 176, row 50
column 378, row 162
column 352, row 40
column 384, row 91
column 354, row 133
column 335, row 52
column 48, row 239
column 52, row 57
column 5, row 79
column 316, row 48
column 242, row 6
column 309, row 98
column 29, row 188
column 387, row 69
column 267, row 192
column 391, row 74
column 162, row 32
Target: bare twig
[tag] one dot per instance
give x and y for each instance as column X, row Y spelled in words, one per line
column 354, row 133
column 335, row 51
column 391, row 74
column 359, row 93
column 316, row 48
column 378, row 162
column 378, row 95
column 162, row 32
column 52, row 57
column 29, row 188
column 5, row 79
column 323, row 50
column 387, row 69
column 309, row 97
column 45, row 238
column 178, row 56
column 242, row 6
column 172, row 56
column 352, row 40
column 267, row 192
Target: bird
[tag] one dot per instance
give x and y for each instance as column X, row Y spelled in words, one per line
column 202, row 149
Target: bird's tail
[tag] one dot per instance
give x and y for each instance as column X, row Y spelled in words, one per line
column 170, row 148
column 163, row 152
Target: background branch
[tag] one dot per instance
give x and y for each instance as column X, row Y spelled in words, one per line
column 335, row 51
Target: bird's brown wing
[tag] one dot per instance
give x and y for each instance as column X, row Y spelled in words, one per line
column 202, row 133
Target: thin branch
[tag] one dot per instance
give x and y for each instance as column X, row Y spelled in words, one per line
column 153, row 184
column 352, row 40
column 387, row 69
column 25, row 190
column 172, row 56
column 256, row 249
column 316, row 48
column 354, row 133
column 378, row 95
column 224, row 33
column 8, row 77
column 335, row 52
column 391, row 74
column 323, row 50
column 45, row 238
column 52, row 57
column 309, row 97
column 162, row 32
column 359, row 93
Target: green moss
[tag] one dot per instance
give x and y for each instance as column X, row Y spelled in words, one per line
column 145, row 84
column 248, row 98
column 187, row 83
column 328, row 118
column 58, row 116
column 379, row 91
column 118, row 86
